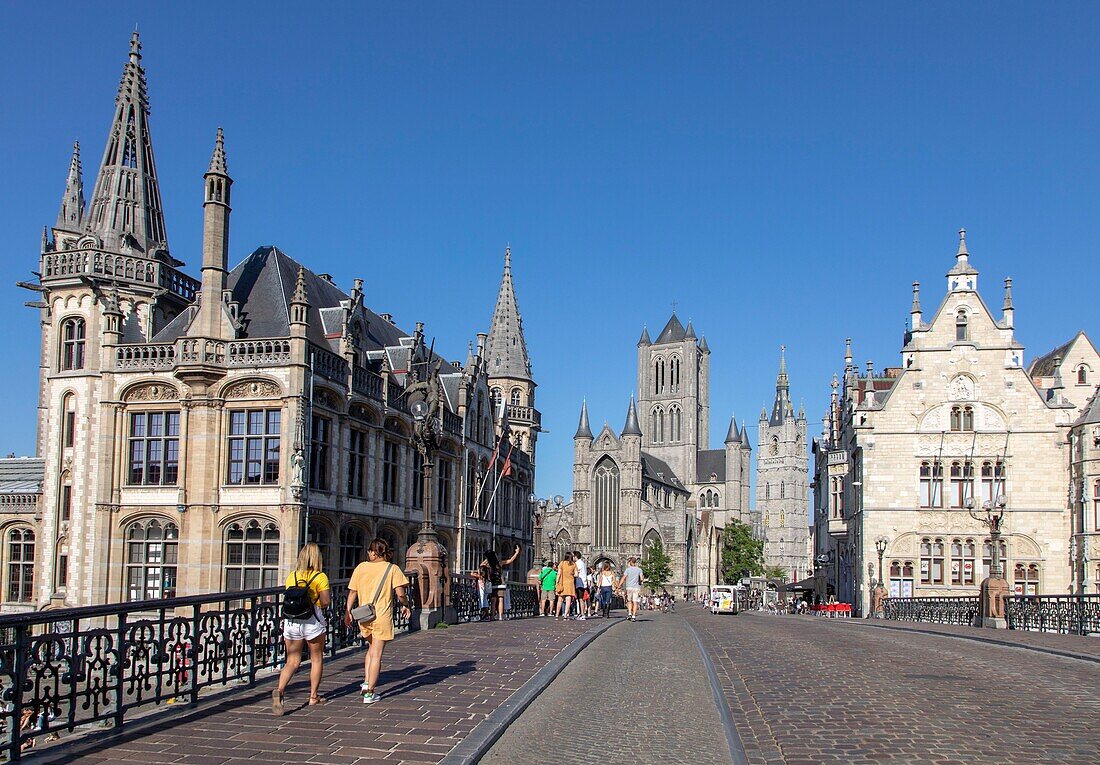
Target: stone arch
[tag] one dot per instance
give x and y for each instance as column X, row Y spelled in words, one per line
column 150, row 390
column 1024, row 546
column 251, row 388
column 330, row 398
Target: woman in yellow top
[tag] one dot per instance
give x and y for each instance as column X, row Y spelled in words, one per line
column 310, row 631
column 567, row 584
column 376, row 581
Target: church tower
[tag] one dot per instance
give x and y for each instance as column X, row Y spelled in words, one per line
column 509, row 367
column 674, row 396
column 781, row 481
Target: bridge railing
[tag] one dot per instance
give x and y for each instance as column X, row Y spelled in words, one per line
column 69, row 667
column 961, row 609
column 465, row 599
column 1065, row 614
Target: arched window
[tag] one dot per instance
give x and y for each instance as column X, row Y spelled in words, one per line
column 674, row 373
column 321, row 535
column 674, row 423
column 962, row 329
column 1026, row 579
column 1096, row 506
column 767, row 491
column 660, row 426
column 931, row 561
column 72, row 344
column 1082, row 375
column 152, row 553
column 782, row 489
column 775, row 445
column 931, row 484
column 251, row 555
column 658, row 375
column 650, row 539
column 605, row 492
column 968, row 419
column 515, row 398
column 956, row 418
column 68, row 421
column 962, row 561
column 901, row 579
column 20, row 565
column 353, row 549
column 497, row 395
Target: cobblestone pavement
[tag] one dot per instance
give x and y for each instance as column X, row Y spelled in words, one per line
column 805, row 690
column 436, row 686
column 637, row 695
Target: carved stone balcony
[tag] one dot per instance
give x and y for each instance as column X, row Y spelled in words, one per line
column 135, row 270
column 258, row 353
column 145, row 357
column 525, row 415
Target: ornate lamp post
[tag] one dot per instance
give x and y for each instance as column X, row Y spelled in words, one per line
column 824, row 561
column 994, row 588
column 880, row 547
column 878, row 592
column 540, row 507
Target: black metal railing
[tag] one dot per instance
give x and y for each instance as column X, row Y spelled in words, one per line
column 961, row 609
column 1066, row 614
column 69, row 667
column 523, row 599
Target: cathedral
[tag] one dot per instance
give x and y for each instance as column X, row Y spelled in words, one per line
column 658, row 479
column 194, row 433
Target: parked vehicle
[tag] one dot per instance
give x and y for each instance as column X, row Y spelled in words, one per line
column 723, row 599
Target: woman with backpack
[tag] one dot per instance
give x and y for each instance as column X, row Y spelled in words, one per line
column 307, row 592
column 374, row 584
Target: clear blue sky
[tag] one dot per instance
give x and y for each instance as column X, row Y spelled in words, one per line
column 782, row 172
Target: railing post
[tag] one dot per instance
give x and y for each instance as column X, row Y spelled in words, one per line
column 253, row 633
column 120, row 699
column 194, row 650
column 19, row 671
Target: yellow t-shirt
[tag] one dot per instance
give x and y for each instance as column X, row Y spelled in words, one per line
column 316, row 587
column 365, row 580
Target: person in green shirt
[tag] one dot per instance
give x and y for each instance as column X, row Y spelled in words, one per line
column 548, row 577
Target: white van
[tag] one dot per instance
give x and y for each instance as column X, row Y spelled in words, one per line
column 723, row 599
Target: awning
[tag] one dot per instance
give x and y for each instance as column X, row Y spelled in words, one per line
column 806, row 585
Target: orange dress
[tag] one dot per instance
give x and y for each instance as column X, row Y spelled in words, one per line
column 567, row 579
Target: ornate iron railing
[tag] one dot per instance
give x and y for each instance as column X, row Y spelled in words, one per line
column 465, row 599
column 1067, row 614
column 69, row 667
column 524, row 600
column 938, row 610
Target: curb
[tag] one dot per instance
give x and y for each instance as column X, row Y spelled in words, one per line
column 733, row 738
column 481, row 739
column 982, row 639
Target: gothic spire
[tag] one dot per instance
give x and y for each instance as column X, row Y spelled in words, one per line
column 126, row 208
column 583, row 428
column 644, row 339
column 507, row 350
column 71, row 215
column 690, row 333
column 732, row 436
column 217, row 159
column 782, row 409
column 745, row 437
column 632, row 428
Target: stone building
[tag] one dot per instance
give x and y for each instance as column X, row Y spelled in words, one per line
column 193, row 433
column 657, row 479
column 782, row 471
column 906, row 450
column 1085, row 488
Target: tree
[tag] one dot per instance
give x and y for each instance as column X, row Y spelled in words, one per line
column 741, row 554
column 776, row 572
column 657, row 566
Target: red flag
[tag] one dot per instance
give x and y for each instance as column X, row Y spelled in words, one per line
column 507, row 471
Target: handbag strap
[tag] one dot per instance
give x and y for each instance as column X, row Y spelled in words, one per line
column 381, row 584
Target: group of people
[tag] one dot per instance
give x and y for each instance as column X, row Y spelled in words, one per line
column 571, row 590
column 376, row 582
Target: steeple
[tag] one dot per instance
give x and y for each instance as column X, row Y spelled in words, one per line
column 299, row 304
column 782, row 409
column 583, row 428
column 632, row 428
column 644, row 339
column 703, row 344
column 690, row 333
column 126, row 211
column 215, row 242
column 732, row 436
column 71, row 215
column 507, row 352
column 745, row 437
column 962, row 276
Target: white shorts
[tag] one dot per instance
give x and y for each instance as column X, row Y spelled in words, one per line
column 303, row 629
column 633, row 594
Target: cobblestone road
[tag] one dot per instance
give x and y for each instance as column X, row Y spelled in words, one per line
column 806, row 690
column 638, row 694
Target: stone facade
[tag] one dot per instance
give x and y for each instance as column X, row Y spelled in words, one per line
column 782, row 501
column 1085, row 488
column 905, row 450
column 195, row 432
column 657, row 479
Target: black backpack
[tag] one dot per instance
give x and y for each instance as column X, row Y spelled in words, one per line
column 296, row 601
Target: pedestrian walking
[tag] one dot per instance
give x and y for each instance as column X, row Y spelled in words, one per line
column 605, row 580
column 496, row 581
column 376, row 582
column 484, row 588
column 581, row 584
column 548, row 580
column 307, row 592
column 566, row 585
column 631, row 581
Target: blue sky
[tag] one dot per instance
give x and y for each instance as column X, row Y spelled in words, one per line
column 782, row 172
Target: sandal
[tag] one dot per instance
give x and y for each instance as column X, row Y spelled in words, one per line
column 277, row 703
column 315, row 701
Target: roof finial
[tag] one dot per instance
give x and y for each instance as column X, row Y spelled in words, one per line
column 135, row 46
column 962, row 253
column 508, row 255
column 783, row 359
column 1008, row 295
column 300, row 288
column 916, row 299
column 217, row 159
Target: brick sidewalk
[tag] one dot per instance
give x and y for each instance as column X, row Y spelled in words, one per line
column 436, row 686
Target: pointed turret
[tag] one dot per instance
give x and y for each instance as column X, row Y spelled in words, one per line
column 126, row 211
column 583, row 428
column 507, row 351
column 632, row 428
column 672, row 333
column 962, row 276
column 644, row 339
column 215, row 242
column 915, row 313
column 745, row 437
column 299, row 304
column 732, row 436
column 782, row 409
column 848, row 358
column 1008, row 310
column 703, row 344
column 690, row 333
column 71, row 215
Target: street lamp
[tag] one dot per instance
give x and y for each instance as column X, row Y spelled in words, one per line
column 880, row 547
column 991, row 516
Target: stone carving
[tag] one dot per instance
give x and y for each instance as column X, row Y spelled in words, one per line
column 253, row 389
column 152, row 392
column 326, row 398
column 961, row 389
column 991, row 419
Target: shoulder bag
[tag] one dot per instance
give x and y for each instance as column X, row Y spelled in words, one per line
column 366, row 613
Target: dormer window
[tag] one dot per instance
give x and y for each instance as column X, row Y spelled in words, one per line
column 1082, row 375
column 962, row 328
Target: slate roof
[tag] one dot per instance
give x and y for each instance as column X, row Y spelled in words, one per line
column 658, row 471
column 1047, row 364
column 673, row 332
column 1091, row 413
column 710, row 461
column 506, row 351
column 22, row 475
